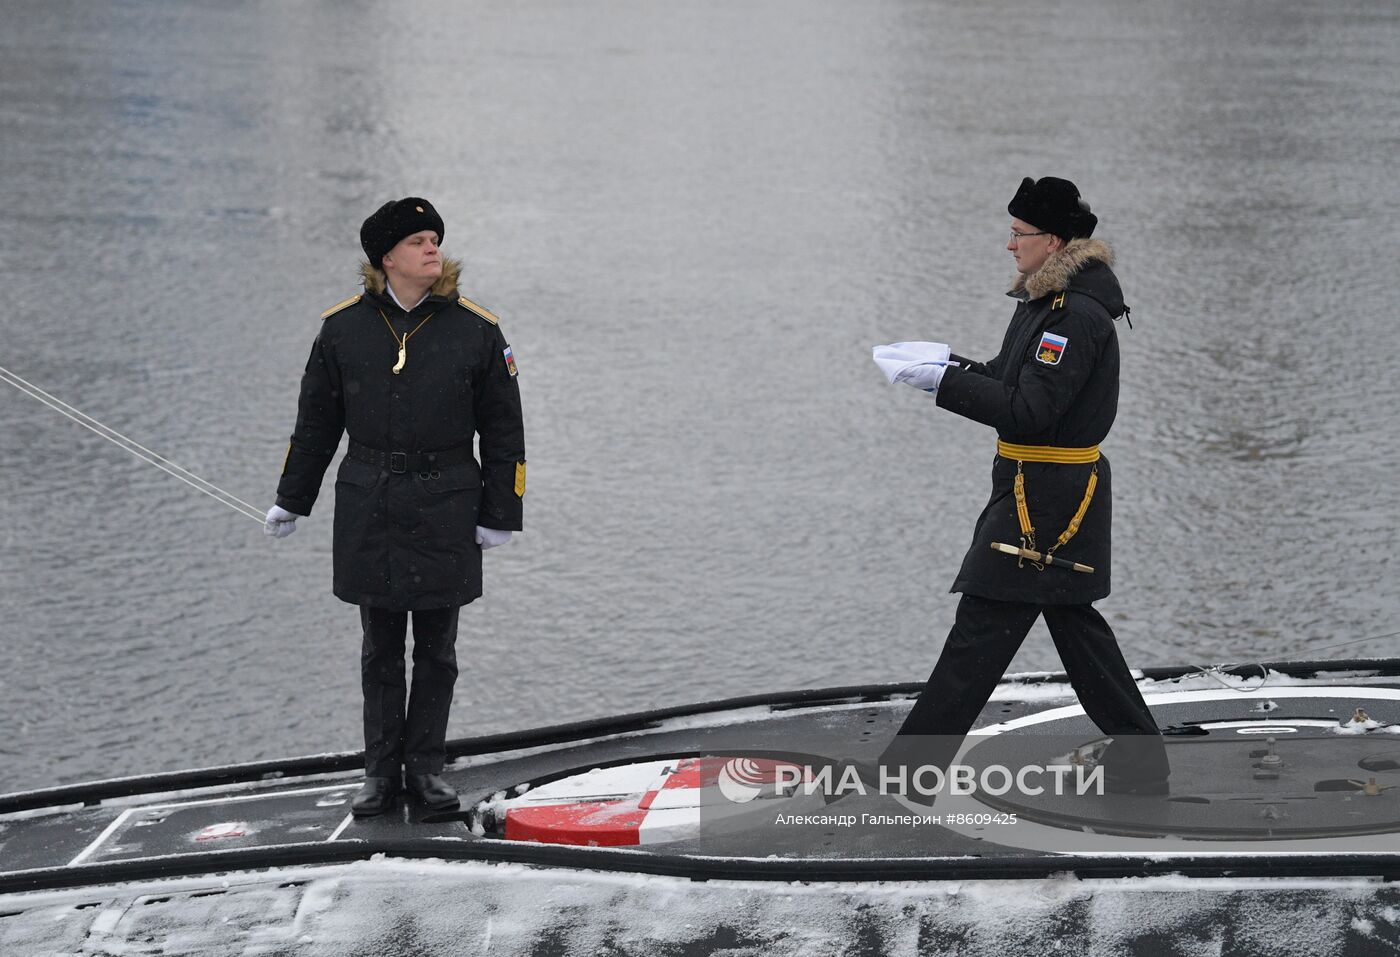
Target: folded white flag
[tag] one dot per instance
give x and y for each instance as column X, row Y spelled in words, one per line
column 920, row 364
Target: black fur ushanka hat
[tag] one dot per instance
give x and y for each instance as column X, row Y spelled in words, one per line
column 1054, row 205
column 395, row 220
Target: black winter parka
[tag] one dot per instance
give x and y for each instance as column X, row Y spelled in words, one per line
column 1060, row 390
column 406, row 540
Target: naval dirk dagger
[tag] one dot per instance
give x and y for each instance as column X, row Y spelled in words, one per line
column 1029, row 555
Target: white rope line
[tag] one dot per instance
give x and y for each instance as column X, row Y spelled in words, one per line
column 1356, row 641
column 1213, row 671
column 135, row 448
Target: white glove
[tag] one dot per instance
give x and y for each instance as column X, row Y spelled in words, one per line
column 490, row 537
column 920, row 364
column 926, row 376
column 279, row 522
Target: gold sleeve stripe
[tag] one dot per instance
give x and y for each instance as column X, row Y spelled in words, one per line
column 519, row 479
column 286, row 458
column 486, row 314
column 339, row 306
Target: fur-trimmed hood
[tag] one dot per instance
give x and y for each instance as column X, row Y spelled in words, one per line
column 374, row 280
column 1054, row 275
column 1083, row 266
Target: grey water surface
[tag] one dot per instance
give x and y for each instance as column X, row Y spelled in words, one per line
column 695, row 219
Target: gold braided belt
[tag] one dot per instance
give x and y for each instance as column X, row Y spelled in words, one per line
column 1047, row 453
column 1060, row 456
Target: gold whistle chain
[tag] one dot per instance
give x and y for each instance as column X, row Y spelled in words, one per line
column 402, row 343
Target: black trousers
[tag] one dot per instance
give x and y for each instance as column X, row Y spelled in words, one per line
column 985, row 637
column 413, row 738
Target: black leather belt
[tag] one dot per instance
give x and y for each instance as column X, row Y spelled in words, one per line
column 399, row 462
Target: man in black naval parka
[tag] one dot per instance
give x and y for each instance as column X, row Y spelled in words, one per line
column 1051, row 394
column 413, row 372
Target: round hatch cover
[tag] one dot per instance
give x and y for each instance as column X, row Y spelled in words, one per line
column 1320, row 763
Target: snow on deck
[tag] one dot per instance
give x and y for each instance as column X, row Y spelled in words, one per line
column 387, row 906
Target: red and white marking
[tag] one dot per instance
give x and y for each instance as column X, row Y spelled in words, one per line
column 219, row 832
column 654, row 801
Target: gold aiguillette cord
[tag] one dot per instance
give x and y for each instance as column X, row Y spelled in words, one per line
column 402, row 343
column 1027, row 551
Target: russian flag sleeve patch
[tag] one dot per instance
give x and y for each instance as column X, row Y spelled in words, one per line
column 1051, row 348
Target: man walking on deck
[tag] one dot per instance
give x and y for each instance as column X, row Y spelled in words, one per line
column 412, row 371
column 1051, row 394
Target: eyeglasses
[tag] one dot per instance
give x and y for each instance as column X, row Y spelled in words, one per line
column 1019, row 235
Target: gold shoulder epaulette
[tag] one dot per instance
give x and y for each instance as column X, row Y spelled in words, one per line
column 339, row 306
column 486, row 314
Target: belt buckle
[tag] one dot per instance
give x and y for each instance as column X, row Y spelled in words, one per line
column 398, row 462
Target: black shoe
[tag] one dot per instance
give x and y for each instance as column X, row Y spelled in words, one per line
column 375, row 796
column 432, row 790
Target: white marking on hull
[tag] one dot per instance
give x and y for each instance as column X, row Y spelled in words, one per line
column 125, row 815
column 343, row 825
column 117, row 822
